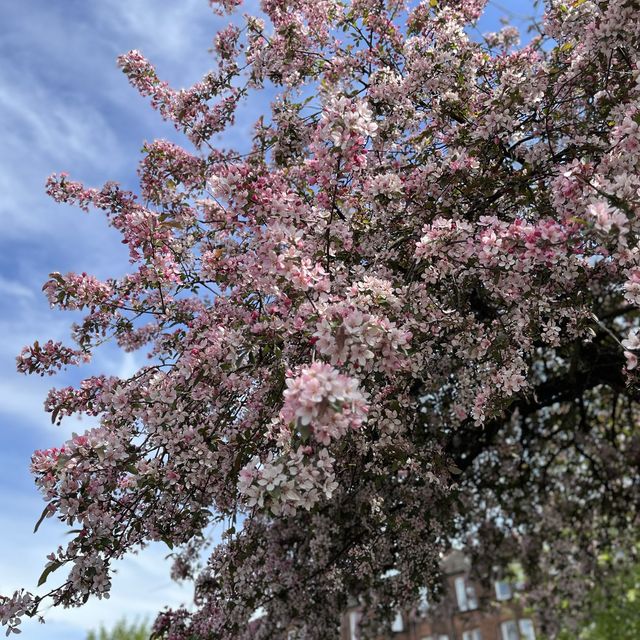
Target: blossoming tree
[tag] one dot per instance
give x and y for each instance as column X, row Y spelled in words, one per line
column 406, row 319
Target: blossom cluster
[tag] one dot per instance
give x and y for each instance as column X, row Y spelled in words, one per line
column 347, row 335
column 48, row 358
column 13, row 608
column 322, row 403
column 290, row 482
column 187, row 109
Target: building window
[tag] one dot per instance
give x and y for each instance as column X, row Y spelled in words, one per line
column 423, row 602
column 398, row 623
column 461, row 594
column 526, row 629
column 503, row 590
column 466, row 595
column 509, row 630
column 354, row 619
column 471, row 597
column 474, row 634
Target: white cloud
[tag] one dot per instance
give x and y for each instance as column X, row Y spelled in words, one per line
column 14, row 289
column 170, row 31
column 60, row 128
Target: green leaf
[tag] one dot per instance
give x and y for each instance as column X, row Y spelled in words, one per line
column 49, row 569
column 42, row 517
column 305, row 432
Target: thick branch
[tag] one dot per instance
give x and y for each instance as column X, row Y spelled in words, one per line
column 597, row 365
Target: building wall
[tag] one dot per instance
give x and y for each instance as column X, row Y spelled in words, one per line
column 448, row 620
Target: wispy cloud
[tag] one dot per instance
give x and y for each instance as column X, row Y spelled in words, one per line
column 15, row 290
column 64, row 106
column 173, row 34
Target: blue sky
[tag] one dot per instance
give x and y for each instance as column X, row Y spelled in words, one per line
column 64, row 106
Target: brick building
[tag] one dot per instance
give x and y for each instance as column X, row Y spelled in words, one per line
column 466, row 611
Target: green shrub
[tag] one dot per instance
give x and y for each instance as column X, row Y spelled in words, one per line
column 123, row 630
column 613, row 609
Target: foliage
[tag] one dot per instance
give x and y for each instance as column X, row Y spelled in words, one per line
column 122, row 630
column 408, row 317
column 613, row 609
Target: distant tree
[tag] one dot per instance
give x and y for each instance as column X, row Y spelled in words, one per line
column 612, row 609
column 407, row 317
column 122, row 630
